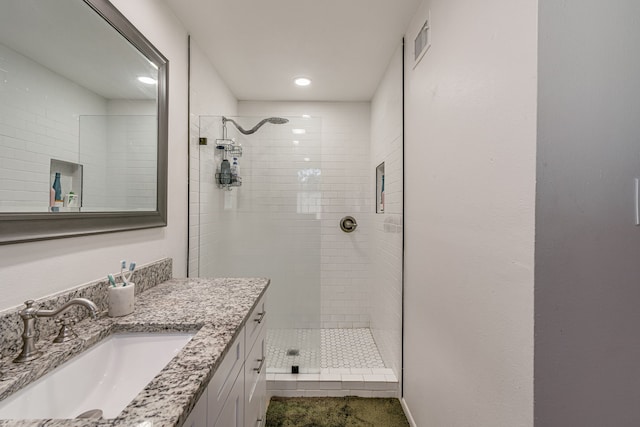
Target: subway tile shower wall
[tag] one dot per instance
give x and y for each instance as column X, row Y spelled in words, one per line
column 303, row 215
column 386, row 238
column 194, row 196
column 43, row 115
column 37, row 123
column 345, row 189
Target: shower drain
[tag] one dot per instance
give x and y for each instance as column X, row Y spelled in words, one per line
column 293, row 352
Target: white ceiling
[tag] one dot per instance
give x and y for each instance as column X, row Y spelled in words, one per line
column 259, row 46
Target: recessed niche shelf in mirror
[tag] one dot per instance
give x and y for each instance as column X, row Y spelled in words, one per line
column 70, row 176
column 79, row 85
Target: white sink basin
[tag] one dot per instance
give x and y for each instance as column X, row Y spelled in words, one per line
column 107, row 377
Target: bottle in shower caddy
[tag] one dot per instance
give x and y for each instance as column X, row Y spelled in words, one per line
column 225, row 172
column 235, row 170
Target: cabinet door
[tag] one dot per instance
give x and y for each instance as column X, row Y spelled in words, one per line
column 229, row 371
column 198, row 415
column 255, row 375
column 232, row 414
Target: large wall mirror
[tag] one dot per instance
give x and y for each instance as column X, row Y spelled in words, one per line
column 83, row 122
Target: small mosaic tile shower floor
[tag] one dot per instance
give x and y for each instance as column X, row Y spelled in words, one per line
column 339, row 348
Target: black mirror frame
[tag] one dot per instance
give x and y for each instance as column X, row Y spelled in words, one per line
column 28, row 226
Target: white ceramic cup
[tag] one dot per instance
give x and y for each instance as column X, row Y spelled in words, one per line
column 121, row 299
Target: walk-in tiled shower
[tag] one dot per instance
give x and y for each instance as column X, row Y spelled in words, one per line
column 281, row 220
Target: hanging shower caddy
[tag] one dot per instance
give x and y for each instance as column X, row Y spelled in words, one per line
column 226, row 149
column 229, row 149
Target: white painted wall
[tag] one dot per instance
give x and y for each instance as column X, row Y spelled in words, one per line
column 385, row 292
column 30, row 270
column 210, row 96
column 470, row 163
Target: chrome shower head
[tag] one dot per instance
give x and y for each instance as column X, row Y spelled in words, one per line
column 277, row 120
column 273, row 120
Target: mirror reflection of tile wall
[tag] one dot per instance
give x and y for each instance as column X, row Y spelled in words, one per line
column 118, row 153
column 40, row 121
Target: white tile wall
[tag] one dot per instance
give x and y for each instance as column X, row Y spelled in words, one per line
column 38, row 121
column 209, row 96
column 132, row 154
column 43, row 115
column 359, row 286
column 326, row 384
column 386, row 235
column 345, row 190
column 269, row 226
column 119, row 158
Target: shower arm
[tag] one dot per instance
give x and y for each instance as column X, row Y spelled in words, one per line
column 245, row 131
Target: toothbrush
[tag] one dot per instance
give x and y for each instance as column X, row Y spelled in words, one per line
column 126, row 277
column 112, row 281
column 123, row 266
column 132, row 267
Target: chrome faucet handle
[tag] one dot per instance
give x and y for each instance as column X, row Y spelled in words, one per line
column 29, row 351
column 66, row 333
column 29, row 314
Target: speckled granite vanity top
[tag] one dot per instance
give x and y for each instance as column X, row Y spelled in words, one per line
column 215, row 308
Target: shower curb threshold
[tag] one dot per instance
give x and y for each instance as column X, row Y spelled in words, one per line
column 335, row 382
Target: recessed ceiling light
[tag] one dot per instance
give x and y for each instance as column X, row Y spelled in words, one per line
column 299, row 131
column 296, row 142
column 306, row 159
column 302, row 81
column 306, row 116
column 147, row 80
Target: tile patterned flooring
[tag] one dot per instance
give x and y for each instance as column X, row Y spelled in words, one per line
column 339, row 348
column 347, row 363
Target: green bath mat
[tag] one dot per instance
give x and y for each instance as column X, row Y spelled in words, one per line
column 335, row 412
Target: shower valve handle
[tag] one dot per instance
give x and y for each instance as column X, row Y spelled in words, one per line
column 348, row 224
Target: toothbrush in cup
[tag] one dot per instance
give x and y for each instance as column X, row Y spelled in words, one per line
column 126, row 275
column 132, row 268
column 123, row 266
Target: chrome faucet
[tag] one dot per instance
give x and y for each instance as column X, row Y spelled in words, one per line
column 30, row 313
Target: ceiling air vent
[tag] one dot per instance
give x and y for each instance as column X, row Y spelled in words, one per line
column 422, row 41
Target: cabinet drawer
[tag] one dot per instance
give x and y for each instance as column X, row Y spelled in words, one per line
column 232, row 413
column 255, row 377
column 223, row 380
column 255, row 321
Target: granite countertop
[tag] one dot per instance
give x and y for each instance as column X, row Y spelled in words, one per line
column 215, row 308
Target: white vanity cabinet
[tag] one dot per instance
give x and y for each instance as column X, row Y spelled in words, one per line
column 255, row 367
column 232, row 413
column 236, row 395
column 228, row 374
column 198, row 415
column 255, row 383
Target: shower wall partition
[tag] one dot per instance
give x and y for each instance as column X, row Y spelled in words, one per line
column 269, row 226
